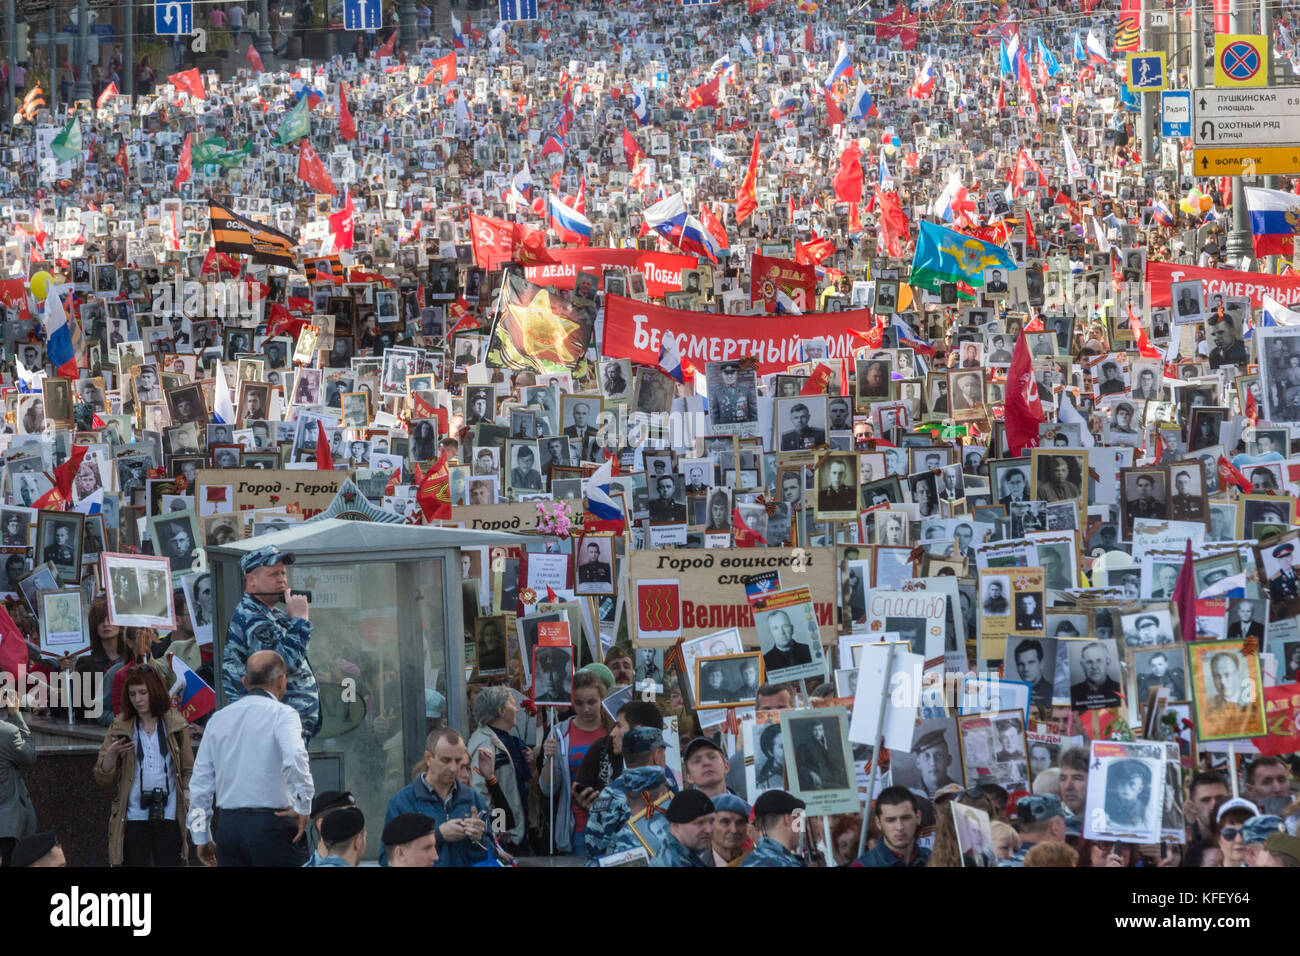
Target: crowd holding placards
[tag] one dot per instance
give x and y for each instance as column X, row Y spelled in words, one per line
column 818, row 353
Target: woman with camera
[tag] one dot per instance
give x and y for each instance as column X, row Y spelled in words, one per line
column 147, row 756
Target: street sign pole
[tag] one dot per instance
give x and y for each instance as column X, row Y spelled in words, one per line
column 1148, row 101
column 1239, row 243
column 1266, row 30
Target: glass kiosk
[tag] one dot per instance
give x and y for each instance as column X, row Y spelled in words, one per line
column 387, row 643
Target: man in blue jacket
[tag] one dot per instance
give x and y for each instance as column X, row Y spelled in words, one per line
column 462, row 815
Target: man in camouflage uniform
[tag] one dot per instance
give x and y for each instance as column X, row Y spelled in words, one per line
column 1042, row 819
column 689, row 841
column 258, row 625
column 774, row 816
column 642, row 778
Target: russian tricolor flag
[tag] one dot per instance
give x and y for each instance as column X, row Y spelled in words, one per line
column 1080, row 54
column 1274, row 219
column 670, row 359
column 843, row 66
column 1096, row 49
column 193, row 698
column 223, row 408
column 58, row 338
column 669, row 218
column 599, row 503
column 862, row 104
column 569, row 224
column 457, row 37
column 640, row 109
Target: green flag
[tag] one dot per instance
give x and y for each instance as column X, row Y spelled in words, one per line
column 295, row 125
column 67, row 145
column 214, row 152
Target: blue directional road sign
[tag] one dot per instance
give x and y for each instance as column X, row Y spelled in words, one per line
column 1176, row 113
column 518, row 9
column 174, row 18
column 362, row 15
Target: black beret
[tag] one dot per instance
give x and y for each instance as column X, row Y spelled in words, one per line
column 689, row 805
column 406, row 827
column 776, row 801
column 342, row 825
column 331, row 800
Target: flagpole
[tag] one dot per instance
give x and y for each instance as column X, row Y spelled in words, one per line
column 876, row 749
column 11, row 53
column 81, row 91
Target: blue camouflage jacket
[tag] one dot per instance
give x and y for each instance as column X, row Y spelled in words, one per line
column 672, row 853
column 767, row 852
column 256, row 627
column 607, row 830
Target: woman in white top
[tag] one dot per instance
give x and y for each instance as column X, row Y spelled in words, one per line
column 146, row 758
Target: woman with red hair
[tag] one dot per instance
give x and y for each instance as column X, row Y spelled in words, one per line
column 146, row 757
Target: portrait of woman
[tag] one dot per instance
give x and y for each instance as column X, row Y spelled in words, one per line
column 1128, row 793
column 770, row 774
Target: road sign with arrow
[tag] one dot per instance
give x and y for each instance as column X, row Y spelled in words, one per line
column 175, row 18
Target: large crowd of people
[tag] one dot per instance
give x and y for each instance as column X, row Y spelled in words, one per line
column 898, row 308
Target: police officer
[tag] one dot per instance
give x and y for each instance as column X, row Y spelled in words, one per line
column 322, row 805
column 642, row 782
column 258, row 625
column 690, row 832
column 344, row 835
column 1042, row 819
column 774, row 816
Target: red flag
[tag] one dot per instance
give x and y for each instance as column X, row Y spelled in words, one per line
column 1145, row 348
column 347, row 128
column 848, row 181
column 13, row 648
column 631, row 150
column 1229, row 475
column 65, row 472
column 1252, row 408
column 446, row 66
column 324, row 457
column 466, row 321
column 312, row 171
column 387, row 48
column 834, row 115
column 183, row 165
column 254, row 58
column 1024, row 409
column 713, row 226
column 816, row 383
column 109, row 92
column 1185, row 596
column 341, row 224
column 747, row 197
column 121, row 161
column 434, row 491
column 706, row 94
column 280, row 321
column 191, row 81
column 745, row 536
column 893, row 222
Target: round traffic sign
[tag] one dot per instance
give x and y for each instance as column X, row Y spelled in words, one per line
column 1240, row 60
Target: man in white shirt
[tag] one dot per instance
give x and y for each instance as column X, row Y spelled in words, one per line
column 253, row 767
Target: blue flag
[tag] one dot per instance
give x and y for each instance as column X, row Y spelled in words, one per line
column 944, row 255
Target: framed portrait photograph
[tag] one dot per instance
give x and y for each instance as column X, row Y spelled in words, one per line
column 821, row 771
column 175, row 536
column 594, row 556
column 553, row 676
column 788, row 635
column 62, row 621
column 1060, row 475
column 490, row 644
column 59, row 540
column 1125, row 795
column 199, row 604
column 1227, row 690
column 139, row 590
column 799, row 423
column 1144, row 494
column 993, row 749
column 1094, row 674
column 1150, row 668
column 728, row 680
column 836, row 487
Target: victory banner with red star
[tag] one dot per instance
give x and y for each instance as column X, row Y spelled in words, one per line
column 537, row 330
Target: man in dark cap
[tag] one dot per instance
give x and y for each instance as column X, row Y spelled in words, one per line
column 322, row 805
column 690, row 832
column 774, row 818
column 411, row 839
column 1111, row 383
column 258, row 625
column 1042, row 819
column 732, row 402
column 1282, row 585
column 641, row 784
column 343, row 834
column 933, row 758
column 39, row 849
